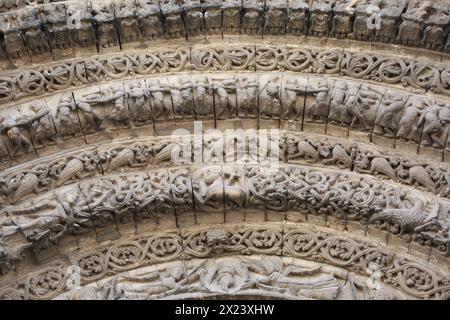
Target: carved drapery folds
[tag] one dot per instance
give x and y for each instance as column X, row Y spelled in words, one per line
column 233, row 251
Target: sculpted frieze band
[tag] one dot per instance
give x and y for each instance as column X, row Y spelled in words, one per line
column 114, row 271
column 48, row 78
column 55, row 29
column 126, row 200
column 341, row 108
column 25, row 181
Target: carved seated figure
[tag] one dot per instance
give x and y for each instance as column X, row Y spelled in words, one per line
column 275, row 18
column 80, row 22
column 213, row 16
column 55, row 19
column 319, row 19
column 150, row 21
column 103, row 16
column 297, row 22
column 194, row 18
column 14, row 43
column 127, row 22
column 252, row 21
column 32, row 28
column 174, row 26
column 231, row 18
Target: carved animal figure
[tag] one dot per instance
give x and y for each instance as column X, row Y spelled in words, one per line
column 21, row 184
column 417, row 174
column 377, row 165
column 307, row 150
column 125, row 157
column 341, row 157
column 408, row 219
column 73, row 168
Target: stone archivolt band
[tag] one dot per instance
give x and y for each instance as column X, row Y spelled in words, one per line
column 408, row 72
column 291, row 261
column 106, row 207
column 415, row 123
column 55, row 30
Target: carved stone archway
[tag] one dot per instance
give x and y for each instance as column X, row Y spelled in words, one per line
column 287, row 150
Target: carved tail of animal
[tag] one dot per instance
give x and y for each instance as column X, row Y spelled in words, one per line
column 73, row 167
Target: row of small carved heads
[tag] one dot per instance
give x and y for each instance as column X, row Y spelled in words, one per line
column 292, row 22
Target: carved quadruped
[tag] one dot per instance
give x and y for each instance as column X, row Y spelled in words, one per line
column 325, row 264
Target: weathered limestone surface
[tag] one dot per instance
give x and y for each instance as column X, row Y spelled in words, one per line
column 203, row 149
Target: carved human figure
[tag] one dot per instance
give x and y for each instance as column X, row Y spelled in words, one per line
column 252, row 18
column 119, row 114
column 231, row 18
column 150, row 20
column 159, row 283
column 410, row 30
column 342, row 99
column 55, row 18
column 436, row 30
column 194, row 18
column 213, row 16
column 42, row 129
column 138, row 96
column 127, row 23
column 320, row 14
column 275, row 18
column 14, row 43
column 385, row 121
column 389, row 15
column 80, row 22
column 225, row 104
column 318, row 110
column 297, row 23
column 271, row 273
column 14, row 129
column 66, row 120
column 174, row 26
column 435, row 120
column 363, row 19
column 48, row 220
column 247, row 95
column 365, row 106
column 409, row 128
column 32, row 29
column 270, row 99
column 161, row 107
column 341, row 23
column 104, row 24
column 202, row 91
column 182, row 97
